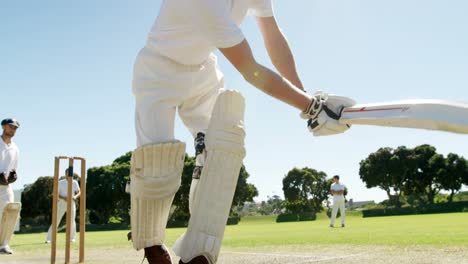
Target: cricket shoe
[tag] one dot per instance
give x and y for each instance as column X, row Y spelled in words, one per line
column 196, row 260
column 5, row 250
column 158, row 255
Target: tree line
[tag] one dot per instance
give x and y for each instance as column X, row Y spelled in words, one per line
column 107, row 201
column 413, row 176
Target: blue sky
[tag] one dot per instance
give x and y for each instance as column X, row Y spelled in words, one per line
column 66, row 70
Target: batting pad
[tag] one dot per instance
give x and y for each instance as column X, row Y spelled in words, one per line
column 9, row 218
column 213, row 198
column 155, row 174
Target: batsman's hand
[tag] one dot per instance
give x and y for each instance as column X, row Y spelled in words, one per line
column 13, row 176
column 3, row 179
column 323, row 114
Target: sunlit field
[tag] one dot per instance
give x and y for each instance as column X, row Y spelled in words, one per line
column 437, row 238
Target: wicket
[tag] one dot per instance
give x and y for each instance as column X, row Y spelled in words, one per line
column 69, row 208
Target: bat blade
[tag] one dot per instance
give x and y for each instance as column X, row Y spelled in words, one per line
column 417, row 113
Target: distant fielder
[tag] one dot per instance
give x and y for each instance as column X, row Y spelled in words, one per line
column 9, row 210
column 337, row 190
column 62, row 205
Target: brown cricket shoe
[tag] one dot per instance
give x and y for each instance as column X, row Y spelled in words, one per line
column 157, row 255
column 197, row 260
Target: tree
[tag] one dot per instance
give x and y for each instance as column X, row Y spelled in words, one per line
column 106, row 196
column 429, row 165
column 464, row 178
column 38, row 194
column 305, row 190
column 245, row 192
column 451, row 180
column 273, row 205
column 387, row 169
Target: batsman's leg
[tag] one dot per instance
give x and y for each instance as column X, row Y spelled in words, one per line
column 342, row 212
column 9, row 218
column 334, row 212
column 61, row 210
column 213, row 198
column 156, row 171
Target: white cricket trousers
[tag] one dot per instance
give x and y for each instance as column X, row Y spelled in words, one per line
column 62, row 209
column 338, row 203
column 6, row 196
column 161, row 86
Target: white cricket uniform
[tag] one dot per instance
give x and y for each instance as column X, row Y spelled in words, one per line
column 177, row 70
column 338, row 202
column 9, row 155
column 62, row 207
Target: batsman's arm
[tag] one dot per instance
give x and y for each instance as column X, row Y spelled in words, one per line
column 278, row 49
column 77, row 195
column 266, row 80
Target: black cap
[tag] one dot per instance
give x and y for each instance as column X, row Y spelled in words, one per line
column 10, row 121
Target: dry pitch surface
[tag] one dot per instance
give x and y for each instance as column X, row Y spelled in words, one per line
column 342, row 254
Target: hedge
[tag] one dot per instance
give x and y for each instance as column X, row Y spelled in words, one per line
column 438, row 208
column 294, row 217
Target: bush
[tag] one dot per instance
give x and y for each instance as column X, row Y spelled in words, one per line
column 307, row 216
column 173, row 223
column 233, row 220
column 438, row 208
column 98, row 227
column 287, row 217
column 294, row 217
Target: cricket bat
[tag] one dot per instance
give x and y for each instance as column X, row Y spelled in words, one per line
column 417, row 113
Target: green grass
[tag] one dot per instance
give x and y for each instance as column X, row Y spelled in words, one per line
column 257, row 232
column 437, row 229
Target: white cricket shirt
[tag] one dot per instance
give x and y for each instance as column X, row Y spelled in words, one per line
column 63, row 188
column 9, row 155
column 337, row 187
column 187, row 31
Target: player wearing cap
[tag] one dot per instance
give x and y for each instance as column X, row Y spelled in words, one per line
column 9, row 211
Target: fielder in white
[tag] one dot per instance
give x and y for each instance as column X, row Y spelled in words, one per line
column 177, row 71
column 9, row 210
column 62, row 205
column 337, row 190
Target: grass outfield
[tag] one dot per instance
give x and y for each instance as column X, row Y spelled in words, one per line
column 263, row 234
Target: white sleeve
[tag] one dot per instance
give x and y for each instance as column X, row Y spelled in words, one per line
column 261, row 8
column 213, row 19
column 76, row 186
column 15, row 162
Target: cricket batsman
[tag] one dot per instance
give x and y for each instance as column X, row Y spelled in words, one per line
column 176, row 71
column 9, row 210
